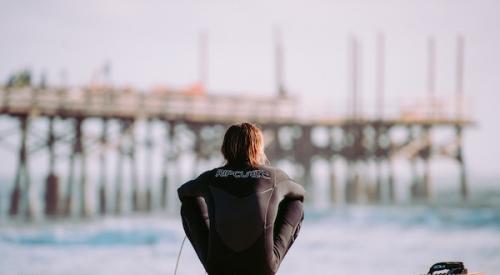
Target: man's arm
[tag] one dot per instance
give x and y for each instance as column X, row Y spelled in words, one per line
column 195, row 221
column 289, row 217
column 194, row 213
column 286, row 228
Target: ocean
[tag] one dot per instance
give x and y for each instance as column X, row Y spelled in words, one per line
column 406, row 239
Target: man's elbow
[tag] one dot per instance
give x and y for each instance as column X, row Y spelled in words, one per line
column 187, row 190
column 181, row 193
column 299, row 193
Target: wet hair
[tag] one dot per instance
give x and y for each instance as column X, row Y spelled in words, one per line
column 243, row 144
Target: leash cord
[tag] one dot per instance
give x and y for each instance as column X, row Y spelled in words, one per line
column 179, row 255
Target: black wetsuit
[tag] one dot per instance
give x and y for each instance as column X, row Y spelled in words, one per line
column 241, row 219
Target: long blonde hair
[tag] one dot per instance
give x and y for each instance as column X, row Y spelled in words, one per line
column 244, row 144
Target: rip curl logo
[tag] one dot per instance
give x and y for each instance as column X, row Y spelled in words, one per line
column 256, row 174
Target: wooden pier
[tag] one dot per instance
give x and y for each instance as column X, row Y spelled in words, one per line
column 355, row 138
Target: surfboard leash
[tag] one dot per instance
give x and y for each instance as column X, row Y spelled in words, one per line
column 179, row 255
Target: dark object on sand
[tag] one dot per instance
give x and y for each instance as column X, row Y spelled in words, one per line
column 448, row 268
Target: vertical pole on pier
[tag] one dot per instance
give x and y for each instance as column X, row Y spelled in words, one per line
column 52, row 182
column 103, row 168
column 204, row 61
column 22, row 181
column 459, row 77
column 354, row 81
column 459, row 113
column 380, row 77
column 278, row 55
column 431, row 74
column 149, row 164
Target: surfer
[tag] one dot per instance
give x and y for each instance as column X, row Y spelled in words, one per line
column 243, row 217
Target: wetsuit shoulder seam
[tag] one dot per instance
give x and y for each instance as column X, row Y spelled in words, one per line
column 282, row 180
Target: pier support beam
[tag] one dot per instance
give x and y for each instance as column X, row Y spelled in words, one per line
column 148, row 206
column 52, row 182
column 334, row 196
column 103, row 168
column 197, row 148
column 354, row 184
column 334, row 193
column 78, row 155
column 426, row 155
column 390, row 180
column 378, row 158
column 415, row 181
column 464, row 190
column 378, row 180
column 426, row 180
column 126, row 149
column 20, row 197
column 304, row 151
column 167, row 156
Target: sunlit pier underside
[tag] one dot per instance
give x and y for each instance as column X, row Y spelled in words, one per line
column 358, row 141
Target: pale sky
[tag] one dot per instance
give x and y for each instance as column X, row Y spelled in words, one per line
column 155, row 42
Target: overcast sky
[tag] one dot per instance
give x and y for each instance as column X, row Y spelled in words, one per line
column 153, row 43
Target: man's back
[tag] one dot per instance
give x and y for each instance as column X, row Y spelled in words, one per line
column 248, row 230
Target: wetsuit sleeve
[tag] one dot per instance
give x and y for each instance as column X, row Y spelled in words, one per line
column 194, row 213
column 286, row 228
column 195, row 221
column 289, row 217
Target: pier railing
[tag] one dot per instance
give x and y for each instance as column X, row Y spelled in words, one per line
column 130, row 104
